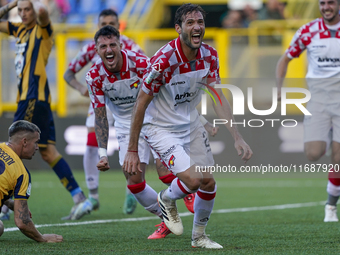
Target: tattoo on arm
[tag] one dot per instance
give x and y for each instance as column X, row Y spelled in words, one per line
column 24, row 214
column 101, row 127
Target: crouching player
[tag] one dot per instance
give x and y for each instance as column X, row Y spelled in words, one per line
column 15, row 180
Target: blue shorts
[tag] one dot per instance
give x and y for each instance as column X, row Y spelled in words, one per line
column 39, row 113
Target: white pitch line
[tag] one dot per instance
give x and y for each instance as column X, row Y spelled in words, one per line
column 233, row 210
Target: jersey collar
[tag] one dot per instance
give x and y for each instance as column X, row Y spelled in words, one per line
column 180, row 51
column 323, row 25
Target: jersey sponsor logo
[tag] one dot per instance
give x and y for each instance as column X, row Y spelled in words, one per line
column 177, row 83
column 171, row 161
column 328, row 60
column 109, row 89
column 6, row 158
column 185, row 95
column 169, row 151
column 113, row 99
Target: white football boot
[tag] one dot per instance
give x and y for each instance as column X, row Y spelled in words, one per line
column 330, row 213
column 205, row 242
column 170, row 215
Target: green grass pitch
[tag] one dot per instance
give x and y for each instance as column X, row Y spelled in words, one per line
column 244, row 221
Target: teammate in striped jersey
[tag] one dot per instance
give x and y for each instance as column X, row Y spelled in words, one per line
column 86, row 55
column 166, row 109
column 321, row 39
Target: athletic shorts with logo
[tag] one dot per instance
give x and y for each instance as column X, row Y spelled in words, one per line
column 180, row 150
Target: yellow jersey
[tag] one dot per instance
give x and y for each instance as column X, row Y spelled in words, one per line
column 32, row 49
column 15, row 180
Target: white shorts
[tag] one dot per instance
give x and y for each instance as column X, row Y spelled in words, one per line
column 317, row 127
column 91, row 117
column 123, row 141
column 180, row 150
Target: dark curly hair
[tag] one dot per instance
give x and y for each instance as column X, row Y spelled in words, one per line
column 185, row 9
column 106, row 31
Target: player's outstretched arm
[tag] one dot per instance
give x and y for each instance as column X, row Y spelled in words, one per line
column 70, row 78
column 3, row 11
column 281, row 71
column 131, row 161
column 101, row 128
column 224, row 112
column 25, row 224
column 42, row 12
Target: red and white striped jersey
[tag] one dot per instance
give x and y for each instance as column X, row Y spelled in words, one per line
column 323, row 53
column 118, row 91
column 88, row 53
column 178, row 85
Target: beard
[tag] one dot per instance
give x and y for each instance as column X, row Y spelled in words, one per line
column 187, row 40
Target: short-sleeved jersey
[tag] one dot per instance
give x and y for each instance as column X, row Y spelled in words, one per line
column 323, row 53
column 118, row 91
column 15, row 180
column 33, row 47
column 88, row 53
column 179, row 85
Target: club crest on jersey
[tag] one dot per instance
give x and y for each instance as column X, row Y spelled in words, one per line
column 171, row 161
column 134, row 85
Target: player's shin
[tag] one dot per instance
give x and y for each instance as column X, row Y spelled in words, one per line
column 203, row 206
column 146, row 196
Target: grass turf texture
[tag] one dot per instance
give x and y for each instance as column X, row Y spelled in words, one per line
column 288, row 231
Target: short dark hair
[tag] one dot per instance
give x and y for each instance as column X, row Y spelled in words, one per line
column 106, row 31
column 108, row 12
column 185, row 9
column 22, row 125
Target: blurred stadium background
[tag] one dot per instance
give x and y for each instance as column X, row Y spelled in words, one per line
column 249, row 35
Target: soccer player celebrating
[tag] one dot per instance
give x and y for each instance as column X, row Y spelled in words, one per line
column 88, row 54
column 321, row 38
column 15, row 180
column 114, row 81
column 167, row 103
column 33, row 46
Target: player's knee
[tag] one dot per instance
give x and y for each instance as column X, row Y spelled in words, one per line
column 135, row 179
column 313, row 155
column 194, row 183
column 336, row 158
column 208, row 184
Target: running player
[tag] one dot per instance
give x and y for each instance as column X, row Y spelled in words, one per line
column 88, row 55
column 33, row 46
column 321, row 38
column 167, row 103
column 15, row 180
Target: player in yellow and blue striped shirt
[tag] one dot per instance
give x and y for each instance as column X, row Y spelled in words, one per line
column 34, row 43
column 15, row 180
